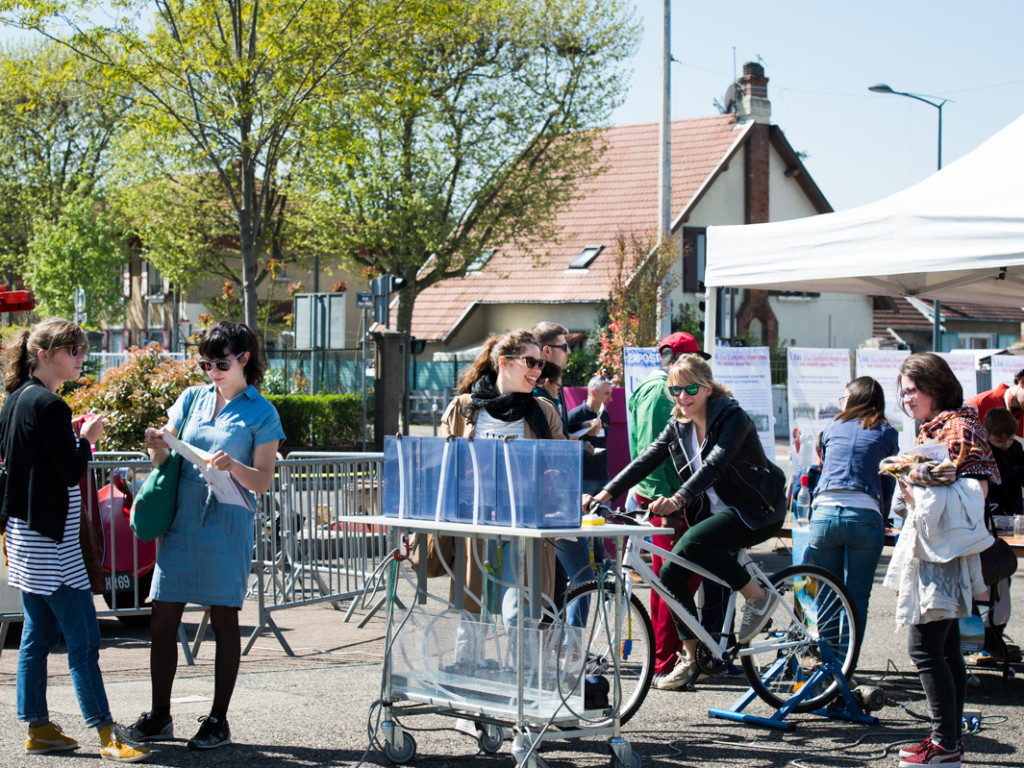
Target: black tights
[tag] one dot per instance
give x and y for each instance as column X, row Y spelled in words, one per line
column 163, row 654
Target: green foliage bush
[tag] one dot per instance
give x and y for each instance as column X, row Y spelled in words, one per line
column 320, row 421
column 135, row 395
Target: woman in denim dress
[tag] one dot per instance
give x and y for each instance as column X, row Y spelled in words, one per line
column 205, row 556
column 851, row 499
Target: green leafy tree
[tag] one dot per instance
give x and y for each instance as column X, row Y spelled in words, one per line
column 474, row 129
column 222, row 88
column 85, row 248
column 58, row 124
column 642, row 266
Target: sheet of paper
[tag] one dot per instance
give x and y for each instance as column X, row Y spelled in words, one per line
column 932, row 451
column 225, row 486
column 589, row 426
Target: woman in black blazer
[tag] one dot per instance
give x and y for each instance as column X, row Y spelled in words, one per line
column 44, row 460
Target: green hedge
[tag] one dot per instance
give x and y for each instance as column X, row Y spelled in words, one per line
column 320, row 421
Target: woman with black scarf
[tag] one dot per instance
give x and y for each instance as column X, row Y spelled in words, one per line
column 495, row 401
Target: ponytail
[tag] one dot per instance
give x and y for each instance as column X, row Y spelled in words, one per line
column 17, row 362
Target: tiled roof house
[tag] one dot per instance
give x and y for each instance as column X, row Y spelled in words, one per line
column 729, row 169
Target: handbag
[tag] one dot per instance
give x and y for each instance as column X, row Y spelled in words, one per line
column 154, row 506
column 998, row 562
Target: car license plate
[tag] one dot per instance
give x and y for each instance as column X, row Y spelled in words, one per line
column 124, row 580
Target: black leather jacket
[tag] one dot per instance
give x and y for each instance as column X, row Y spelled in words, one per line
column 734, row 465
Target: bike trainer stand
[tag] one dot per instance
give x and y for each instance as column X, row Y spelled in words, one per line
column 830, row 669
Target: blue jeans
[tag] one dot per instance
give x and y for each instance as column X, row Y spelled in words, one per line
column 575, row 559
column 848, row 543
column 71, row 612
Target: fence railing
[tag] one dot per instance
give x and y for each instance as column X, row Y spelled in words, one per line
column 302, row 553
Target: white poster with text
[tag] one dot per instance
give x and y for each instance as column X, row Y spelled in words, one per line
column 817, row 379
column 747, row 372
column 883, row 365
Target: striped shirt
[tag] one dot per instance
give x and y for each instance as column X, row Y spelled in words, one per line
column 40, row 565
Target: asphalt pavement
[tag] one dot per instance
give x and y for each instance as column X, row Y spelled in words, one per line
column 315, row 708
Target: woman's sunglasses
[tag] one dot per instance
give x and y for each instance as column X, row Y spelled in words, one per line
column 531, row 362
column 690, row 389
column 220, row 365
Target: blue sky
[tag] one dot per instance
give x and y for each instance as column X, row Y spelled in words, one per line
column 820, row 58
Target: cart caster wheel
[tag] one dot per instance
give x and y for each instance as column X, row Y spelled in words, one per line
column 490, row 739
column 402, row 755
column 635, row 761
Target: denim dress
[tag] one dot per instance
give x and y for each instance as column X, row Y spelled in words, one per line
column 206, row 554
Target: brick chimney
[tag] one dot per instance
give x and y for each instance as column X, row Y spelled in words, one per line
column 753, row 103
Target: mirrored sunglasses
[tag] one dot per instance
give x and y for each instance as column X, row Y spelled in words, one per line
column 690, row 389
column 220, row 365
column 531, row 362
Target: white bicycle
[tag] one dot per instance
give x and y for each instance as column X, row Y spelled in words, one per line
column 813, row 609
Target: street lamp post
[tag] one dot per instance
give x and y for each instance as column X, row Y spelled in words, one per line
column 936, row 305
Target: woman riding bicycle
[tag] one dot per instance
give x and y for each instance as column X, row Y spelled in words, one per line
column 733, row 497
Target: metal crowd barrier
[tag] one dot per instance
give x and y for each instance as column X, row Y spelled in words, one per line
column 302, row 555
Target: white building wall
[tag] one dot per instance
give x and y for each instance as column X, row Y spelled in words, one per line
column 833, row 320
column 786, row 200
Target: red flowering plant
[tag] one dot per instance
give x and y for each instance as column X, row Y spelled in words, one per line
column 642, row 266
column 135, row 395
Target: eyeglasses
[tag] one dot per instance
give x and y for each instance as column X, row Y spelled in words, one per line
column 76, row 351
column 220, row 365
column 690, row 389
column 531, row 362
column 844, row 398
column 908, row 392
column 563, row 346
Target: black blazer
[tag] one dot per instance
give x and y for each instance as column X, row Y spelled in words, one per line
column 45, row 458
column 734, row 464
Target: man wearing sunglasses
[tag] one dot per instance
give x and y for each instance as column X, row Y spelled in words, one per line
column 554, row 349
column 649, row 411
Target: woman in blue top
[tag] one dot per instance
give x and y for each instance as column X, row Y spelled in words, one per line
column 206, row 554
column 851, row 498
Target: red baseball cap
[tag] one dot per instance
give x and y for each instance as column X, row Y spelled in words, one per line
column 682, row 343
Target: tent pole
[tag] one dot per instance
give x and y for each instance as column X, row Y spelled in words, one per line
column 710, row 318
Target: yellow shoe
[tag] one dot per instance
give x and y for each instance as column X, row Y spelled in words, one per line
column 48, row 738
column 117, row 746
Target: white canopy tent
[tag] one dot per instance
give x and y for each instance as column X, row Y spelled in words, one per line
column 956, row 236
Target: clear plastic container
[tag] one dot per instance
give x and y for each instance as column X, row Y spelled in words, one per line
column 520, row 483
column 456, row 659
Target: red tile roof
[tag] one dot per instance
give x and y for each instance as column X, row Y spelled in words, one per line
column 905, row 316
column 621, row 200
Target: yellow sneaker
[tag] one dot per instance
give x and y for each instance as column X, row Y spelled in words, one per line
column 117, row 746
column 48, row 738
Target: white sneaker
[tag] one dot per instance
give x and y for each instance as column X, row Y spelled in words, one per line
column 681, row 676
column 756, row 613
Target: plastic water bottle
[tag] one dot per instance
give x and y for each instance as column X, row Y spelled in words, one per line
column 802, row 513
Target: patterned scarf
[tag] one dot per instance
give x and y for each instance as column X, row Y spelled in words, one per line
column 966, row 440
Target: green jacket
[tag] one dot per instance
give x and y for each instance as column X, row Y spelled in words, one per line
column 649, row 411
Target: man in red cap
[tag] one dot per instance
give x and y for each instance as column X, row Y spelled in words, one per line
column 649, row 411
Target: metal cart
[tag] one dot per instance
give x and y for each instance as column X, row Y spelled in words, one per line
column 535, row 699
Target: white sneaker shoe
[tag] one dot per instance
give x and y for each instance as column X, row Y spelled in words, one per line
column 755, row 615
column 681, row 676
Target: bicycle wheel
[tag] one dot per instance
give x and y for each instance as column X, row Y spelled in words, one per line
column 781, row 659
column 636, row 652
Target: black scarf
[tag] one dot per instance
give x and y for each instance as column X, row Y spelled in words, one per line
column 511, row 406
